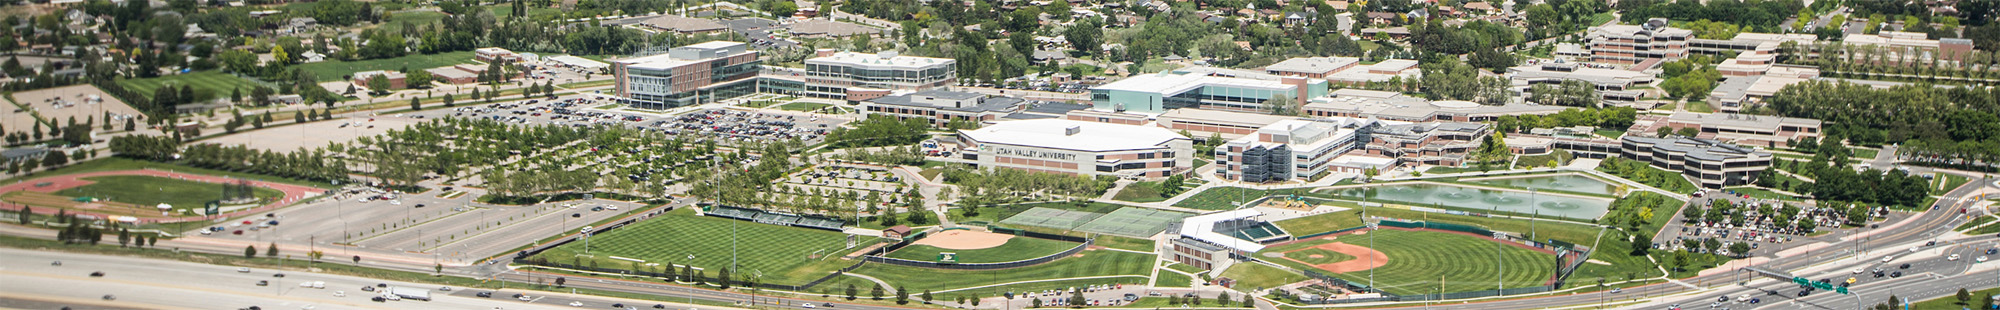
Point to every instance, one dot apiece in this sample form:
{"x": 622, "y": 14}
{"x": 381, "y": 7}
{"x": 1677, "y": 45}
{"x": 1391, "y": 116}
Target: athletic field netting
{"x": 1133, "y": 222}
{"x": 1051, "y": 218}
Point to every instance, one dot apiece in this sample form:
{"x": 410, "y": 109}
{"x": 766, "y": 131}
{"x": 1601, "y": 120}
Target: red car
{"x": 239, "y": 232}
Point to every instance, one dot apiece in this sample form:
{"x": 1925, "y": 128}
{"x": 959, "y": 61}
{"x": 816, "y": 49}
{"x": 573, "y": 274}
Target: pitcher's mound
{"x": 964, "y": 240}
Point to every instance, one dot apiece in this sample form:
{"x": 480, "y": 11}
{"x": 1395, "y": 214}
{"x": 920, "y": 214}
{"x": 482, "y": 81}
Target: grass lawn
{"x": 1600, "y": 18}
{"x": 780, "y": 252}
{"x": 418, "y": 19}
{"x": 588, "y": 84}
{"x": 1975, "y": 222}
{"x": 327, "y": 71}
{"x": 1319, "y": 223}
{"x": 1141, "y": 192}
{"x": 1950, "y": 301}
{"x": 1699, "y": 107}
{"x": 150, "y": 190}
{"x": 1086, "y": 264}
{"x": 1612, "y": 133}
{"x": 1124, "y": 243}
{"x": 1018, "y": 248}
{"x": 115, "y": 163}
{"x": 803, "y": 106}
{"x": 1221, "y": 198}
{"x": 1989, "y": 229}
{"x": 1417, "y": 259}
{"x": 1865, "y": 154}
{"x": 1761, "y": 193}
{"x": 1950, "y": 181}
{"x": 1173, "y": 279}
{"x": 207, "y": 84}
{"x": 1250, "y": 276}
{"x": 1185, "y": 268}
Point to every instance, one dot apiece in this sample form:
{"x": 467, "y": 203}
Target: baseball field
{"x": 1016, "y": 248}
{"x": 1097, "y": 263}
{"x": 1409, "y": 262}
{"x": 785, "y": 255}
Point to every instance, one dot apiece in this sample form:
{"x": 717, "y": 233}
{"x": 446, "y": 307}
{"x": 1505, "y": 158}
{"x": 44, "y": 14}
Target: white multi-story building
{"x": 1078, "y": 147}
{"x": 860, "y": 77}
{"x": 1292, "y": 149}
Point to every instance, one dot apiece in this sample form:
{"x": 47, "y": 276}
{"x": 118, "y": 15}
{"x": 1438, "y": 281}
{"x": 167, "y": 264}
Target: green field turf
{"x": 779, "y": 252}
{"x": 1325, "y": 256}
{"x": 331, "y": 70}
{"x": 150, "y": 190}
{"x": 207, "y": 84}
{"x": 1418, "y": 259}
{"x": 1018, "y": 248}
{"x": 1221, "y": 198}
{"x": 1319, "y": 223}
{"x": 1089, "y": 263}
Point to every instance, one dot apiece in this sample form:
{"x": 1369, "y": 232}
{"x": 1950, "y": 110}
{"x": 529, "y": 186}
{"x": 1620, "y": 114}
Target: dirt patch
{"x": 964, "y": 240}
{"x": 1364, "y": 258}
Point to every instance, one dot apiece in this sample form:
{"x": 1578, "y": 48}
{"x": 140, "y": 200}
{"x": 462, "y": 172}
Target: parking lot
{"x": 419, "y": 223}
{"x": 728, "y": 126}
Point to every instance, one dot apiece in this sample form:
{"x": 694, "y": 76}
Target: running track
{"x": 293, "y": 193}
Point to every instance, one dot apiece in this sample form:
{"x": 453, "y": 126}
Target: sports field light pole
{"x": 1499, "y": 280}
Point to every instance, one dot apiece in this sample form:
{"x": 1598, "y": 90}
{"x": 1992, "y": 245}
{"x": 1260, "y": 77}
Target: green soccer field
{"x": 780, "y": 252}
{"x": 1088, "y": 264}
{"x": 207, "y": 85}
{"x": 1419, "y": 259}
{"x": 149, "y": 190}
{"x": 1018, "y": 248}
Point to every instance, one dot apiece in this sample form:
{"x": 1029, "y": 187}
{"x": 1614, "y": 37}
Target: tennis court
{"x": 1133, "y": 222}
{"x": 1051, "y": 218}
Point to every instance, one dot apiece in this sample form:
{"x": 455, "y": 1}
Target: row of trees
{"x": 1953, "y": 123}
{"x": 1611, "y": 117}
{"x": 1762, "y": 15}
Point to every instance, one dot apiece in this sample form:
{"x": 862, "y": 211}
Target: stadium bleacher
{"x": 763, "y": 217}
{"x": 1253, "y": 230}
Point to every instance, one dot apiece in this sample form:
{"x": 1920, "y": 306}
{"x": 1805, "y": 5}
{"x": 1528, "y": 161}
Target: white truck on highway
{"x": 411, "y": 293}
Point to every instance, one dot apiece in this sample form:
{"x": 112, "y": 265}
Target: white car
{"x": 1886, "y": 259}
{"x": 339, "y": 293}
{"x": 1857, "y": 270}
{"x": 1953, "y": 257}
{"x": 576, "y": 304}
{"x": 396, "y": 202}
{"x": 1981, "y": 259}
{"x": 1914, "y": 249}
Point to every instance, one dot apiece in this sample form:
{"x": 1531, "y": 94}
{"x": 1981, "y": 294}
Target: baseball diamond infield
{"x": 1413, "y": 261}
{"x": 962, "y": 242}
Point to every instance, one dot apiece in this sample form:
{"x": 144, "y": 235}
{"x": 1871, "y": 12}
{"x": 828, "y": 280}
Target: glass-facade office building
{"x": 688, "y": 75}
{"x": 1157, "y": 93}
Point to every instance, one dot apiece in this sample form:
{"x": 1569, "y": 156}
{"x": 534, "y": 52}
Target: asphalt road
{"x": 142, "y": 283}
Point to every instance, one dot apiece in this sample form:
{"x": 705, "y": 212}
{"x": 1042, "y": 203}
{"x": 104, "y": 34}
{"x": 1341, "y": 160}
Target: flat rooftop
{"x": 1169, "y": 83}
{"x": 1090, "y": 136}
{"x": 1313, "y": 64}
{"x": 880, "y": 60}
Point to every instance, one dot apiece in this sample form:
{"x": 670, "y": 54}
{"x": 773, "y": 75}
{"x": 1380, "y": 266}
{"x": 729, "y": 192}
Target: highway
{"x": 144, "y": 283}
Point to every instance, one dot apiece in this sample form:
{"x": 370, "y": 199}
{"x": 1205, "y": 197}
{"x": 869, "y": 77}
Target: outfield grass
{"x": 1086, "y": 264}
{"x": 1250, "y": 276}
{"x": 150, "y": 190}
{"x": 1418, "y": 259}
{"x": 1173, "y": 279}
{"x": 780, "y": 252}
{"x": 1325, "y": 256}
{"x": 1319, "y": 223}
{"x": 328, "y": 71}
{"x": 993, "y": 214}
{"x": 1614, "y": 250}
{"x": 1018, "y": 248}
{"x": 208, "y": 85}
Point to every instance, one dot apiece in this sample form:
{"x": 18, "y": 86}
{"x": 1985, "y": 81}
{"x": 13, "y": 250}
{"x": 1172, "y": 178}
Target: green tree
{"x": 902, "y": 296}
{"x": 415, "y": 105}
{"x": 1964, "y": 297}
{"x": 850, "y": 292}
{"x": 271, "y": 250}
{"x": 249, "y": 251}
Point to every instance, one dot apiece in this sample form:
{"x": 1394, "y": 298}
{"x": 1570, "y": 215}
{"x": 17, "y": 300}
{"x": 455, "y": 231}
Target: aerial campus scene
{"x": 1000, "y": 154}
